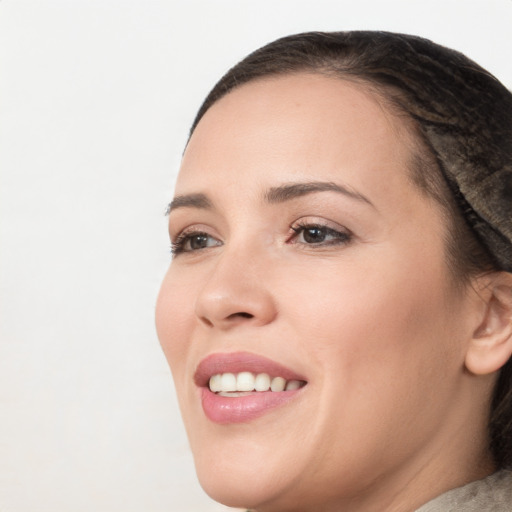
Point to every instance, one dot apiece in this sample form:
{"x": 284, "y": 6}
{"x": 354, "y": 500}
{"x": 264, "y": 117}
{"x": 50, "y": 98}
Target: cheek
{"x": 174, "y": 315}
{"x": 389, "y": 322}
{"x": 383, "y": 345}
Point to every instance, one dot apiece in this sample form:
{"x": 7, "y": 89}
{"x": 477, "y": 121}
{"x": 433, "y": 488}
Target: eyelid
{"x": 179, "y": 240}
{"x": 345, "y": 234}
{"x": 196, "y": 227}
{"x": 320, "y": 222}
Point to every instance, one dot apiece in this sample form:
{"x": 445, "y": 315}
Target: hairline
{"x": 421, "y": 155}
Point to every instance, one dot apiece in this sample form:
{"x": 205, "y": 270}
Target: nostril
{"x": 230, "y": 318}
{"x": 242, "y": 314}
{"x": 207, "y": 322}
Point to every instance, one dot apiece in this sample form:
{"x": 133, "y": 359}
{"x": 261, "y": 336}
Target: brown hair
{"x": 462, "y": 118}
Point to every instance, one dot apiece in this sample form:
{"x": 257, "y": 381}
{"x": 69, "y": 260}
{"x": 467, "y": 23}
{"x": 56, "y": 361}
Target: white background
{"x": 96, "y": 97}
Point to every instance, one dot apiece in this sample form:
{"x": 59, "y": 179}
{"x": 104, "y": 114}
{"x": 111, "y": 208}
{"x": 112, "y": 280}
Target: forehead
{"x": 301, "y": 125}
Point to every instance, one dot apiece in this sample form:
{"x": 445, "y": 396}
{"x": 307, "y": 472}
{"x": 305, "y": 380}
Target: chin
{"x": 242, "y": 487}
{"x": 246, "y": 473}
{"x": 235, "y": 493}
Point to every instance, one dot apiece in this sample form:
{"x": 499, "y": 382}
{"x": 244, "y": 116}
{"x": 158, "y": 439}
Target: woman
{"x": 338, "y": 312}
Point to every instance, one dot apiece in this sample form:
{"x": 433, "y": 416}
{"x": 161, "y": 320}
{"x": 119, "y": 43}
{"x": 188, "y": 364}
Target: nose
{"x": 235, "y": 293}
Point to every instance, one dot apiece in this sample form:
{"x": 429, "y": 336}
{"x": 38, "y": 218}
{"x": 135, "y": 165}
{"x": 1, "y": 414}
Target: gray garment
{"x": 492, "y": 494}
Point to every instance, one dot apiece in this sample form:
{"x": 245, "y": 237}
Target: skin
{"x": 390, "y": 417}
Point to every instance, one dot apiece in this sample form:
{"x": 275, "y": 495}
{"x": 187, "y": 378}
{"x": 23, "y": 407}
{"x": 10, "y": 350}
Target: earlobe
{"x": 491, "y": 345}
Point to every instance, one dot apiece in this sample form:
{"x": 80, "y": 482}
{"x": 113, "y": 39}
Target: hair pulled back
{"x": 462, "y": 119}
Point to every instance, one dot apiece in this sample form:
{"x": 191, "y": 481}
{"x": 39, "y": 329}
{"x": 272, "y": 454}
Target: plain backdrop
{"x": 96, "y": 97}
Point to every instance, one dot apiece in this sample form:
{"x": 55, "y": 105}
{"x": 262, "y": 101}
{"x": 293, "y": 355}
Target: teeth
{"x": 293, "y": 384}
{"x": 277, "y": 384}
{"x": 245, "y": 381}
{"x": 262, "y": 382}
{"x": 216, "y": 383}
{"x": 230, "y": 384}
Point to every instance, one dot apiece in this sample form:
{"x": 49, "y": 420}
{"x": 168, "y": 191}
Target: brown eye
{"x": 198, "y": 241}
{"x": 195, "y": 241}
{"x": 315, "y": 234}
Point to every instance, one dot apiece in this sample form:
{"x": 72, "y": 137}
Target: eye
{"x": 193, "y": 241}
{"x": 319, "y": 235}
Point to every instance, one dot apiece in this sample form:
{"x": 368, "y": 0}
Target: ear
{"x": 491, "y": 344}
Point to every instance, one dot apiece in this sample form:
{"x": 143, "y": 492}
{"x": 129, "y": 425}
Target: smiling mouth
{"x": 240, "y": 386}
{"x": 246, "y": 383}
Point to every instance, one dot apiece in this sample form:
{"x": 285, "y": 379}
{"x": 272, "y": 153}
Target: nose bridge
{"x": 236, "y": 291}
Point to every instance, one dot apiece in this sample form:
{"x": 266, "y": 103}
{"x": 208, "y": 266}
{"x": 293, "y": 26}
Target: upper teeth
{"x": 247, "y": 381}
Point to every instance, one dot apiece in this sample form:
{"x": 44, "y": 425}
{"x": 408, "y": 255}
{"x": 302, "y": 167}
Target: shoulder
{"x": 492, "y": 494}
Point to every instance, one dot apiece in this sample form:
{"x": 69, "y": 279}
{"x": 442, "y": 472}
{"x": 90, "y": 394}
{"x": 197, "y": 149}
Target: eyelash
{"x": 179, "y": 245}
{"x": 338, "y": 237}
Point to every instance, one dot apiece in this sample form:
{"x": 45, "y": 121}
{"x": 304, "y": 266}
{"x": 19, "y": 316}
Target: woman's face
{"x": 305, "y": 251}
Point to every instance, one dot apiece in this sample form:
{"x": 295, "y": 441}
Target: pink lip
{"x": 224, "y": 410}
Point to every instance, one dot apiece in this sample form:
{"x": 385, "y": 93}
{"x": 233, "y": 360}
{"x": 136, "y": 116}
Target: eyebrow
{"x": 189, "y": 201}
{"x": 273, "y": 195}
{"x": 293, "y": 190}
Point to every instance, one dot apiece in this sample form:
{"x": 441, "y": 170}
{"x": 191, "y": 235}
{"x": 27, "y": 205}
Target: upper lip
{"x": 236, "y": 362}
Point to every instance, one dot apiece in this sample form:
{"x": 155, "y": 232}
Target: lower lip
{"x": 241, "y": 409}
